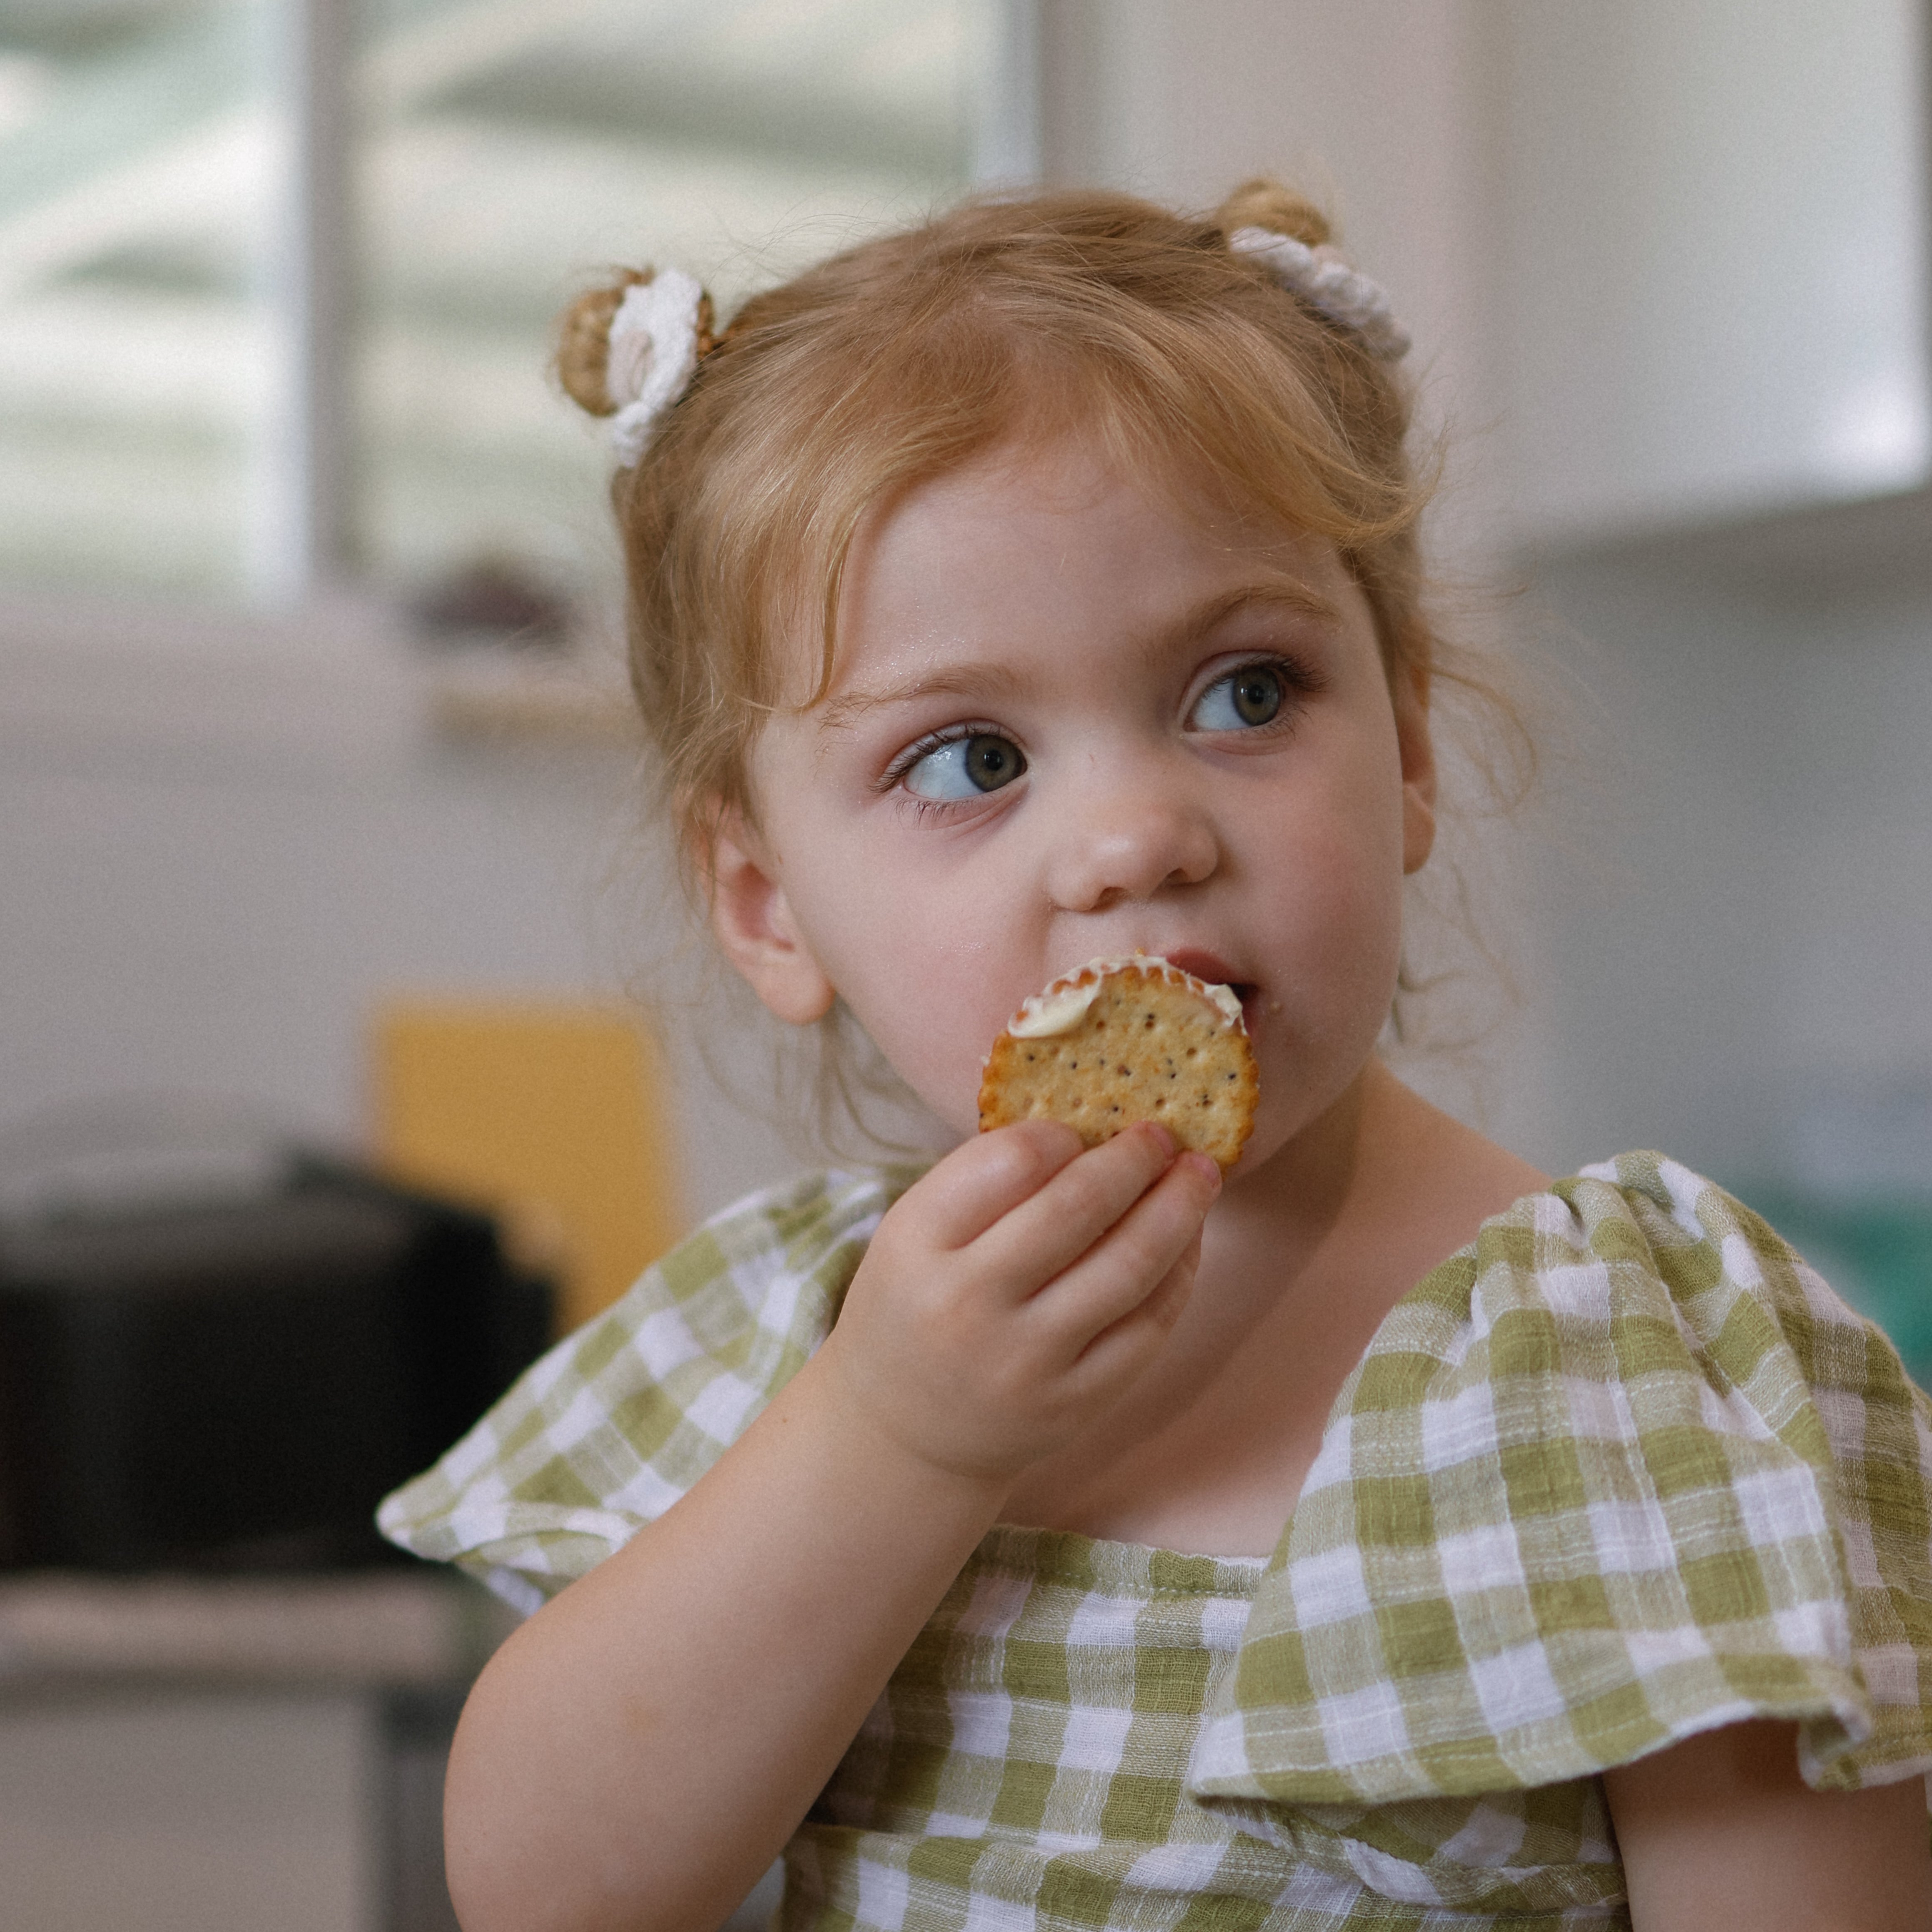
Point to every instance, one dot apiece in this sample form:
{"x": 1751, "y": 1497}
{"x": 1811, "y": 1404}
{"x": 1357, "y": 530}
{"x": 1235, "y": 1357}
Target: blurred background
{"x": 331, "y": 928}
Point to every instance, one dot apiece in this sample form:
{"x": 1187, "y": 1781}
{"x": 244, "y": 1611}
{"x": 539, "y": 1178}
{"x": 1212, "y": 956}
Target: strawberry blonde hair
{"x": 829, "y": 396}
{"x": 906, "y": 356}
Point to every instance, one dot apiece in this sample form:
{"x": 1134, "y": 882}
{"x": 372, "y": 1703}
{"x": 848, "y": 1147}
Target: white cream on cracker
{"x": 1061, "y": 1006}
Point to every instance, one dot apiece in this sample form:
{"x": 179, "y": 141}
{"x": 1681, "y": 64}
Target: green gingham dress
{"x": 1622, "y": 1470}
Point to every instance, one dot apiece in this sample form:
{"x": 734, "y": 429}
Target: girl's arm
{"x": 639, "y": 1751}
{"x": 1719, "y": 1834}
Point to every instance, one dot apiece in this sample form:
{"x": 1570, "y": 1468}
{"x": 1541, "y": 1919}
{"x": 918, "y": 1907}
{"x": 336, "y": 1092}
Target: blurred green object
{"x": 1877, "y": 1253}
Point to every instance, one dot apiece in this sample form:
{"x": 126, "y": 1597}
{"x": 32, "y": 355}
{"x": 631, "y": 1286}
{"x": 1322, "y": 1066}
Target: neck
{"x": 1291, "y": 1204}
{"x": 1361, "y": 1204}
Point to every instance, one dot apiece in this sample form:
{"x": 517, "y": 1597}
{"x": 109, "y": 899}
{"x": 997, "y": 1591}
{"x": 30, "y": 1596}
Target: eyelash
{"x": 889, "y": 780}
{"x": 1300, "y": 682}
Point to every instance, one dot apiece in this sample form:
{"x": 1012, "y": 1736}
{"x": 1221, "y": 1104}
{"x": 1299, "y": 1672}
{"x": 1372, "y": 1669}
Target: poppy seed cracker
{"x": 1122, "y": 1040}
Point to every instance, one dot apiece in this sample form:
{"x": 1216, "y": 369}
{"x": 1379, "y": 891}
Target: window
{"x": 135, "y": 335}
{"x": 239, "y": 348}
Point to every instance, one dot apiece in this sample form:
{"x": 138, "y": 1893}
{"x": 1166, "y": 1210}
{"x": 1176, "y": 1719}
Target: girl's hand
{"x": 1013, "y": 1292}
{"x": 639, "y": 1751}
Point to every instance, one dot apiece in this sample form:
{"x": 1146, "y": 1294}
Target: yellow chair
{"x": 549, "y": 1113}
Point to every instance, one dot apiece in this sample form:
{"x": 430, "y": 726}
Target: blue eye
{"x": 1252, "y": 695}
{"x": 965, "y": 768}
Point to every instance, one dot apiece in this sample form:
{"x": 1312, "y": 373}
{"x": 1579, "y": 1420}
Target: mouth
{"x": 1217, "y": 972}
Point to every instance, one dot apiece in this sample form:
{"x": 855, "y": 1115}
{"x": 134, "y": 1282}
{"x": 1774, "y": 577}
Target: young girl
{"x": 1387, "y": 1537}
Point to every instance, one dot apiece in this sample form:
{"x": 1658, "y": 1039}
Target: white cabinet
{"x": 180, "y": 1812}
{"x": 230, "y": 1754}
{"x": 1712, "y": 291}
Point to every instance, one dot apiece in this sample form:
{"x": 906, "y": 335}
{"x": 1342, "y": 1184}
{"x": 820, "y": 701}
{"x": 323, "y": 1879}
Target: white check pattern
{"x": 1623, "y": 1470}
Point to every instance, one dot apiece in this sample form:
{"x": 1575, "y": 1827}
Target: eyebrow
{"x": 1271, "y": 592}
{"x": 994, "y": 682}
{"x": 967, "y": 680}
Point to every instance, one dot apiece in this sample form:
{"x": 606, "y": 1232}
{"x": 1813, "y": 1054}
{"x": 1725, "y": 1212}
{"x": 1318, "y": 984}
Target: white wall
{"x": 220, "y": 845}
{"x": 1733, "y": 904}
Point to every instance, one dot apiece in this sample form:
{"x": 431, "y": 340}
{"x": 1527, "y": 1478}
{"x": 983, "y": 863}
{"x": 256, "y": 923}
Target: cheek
{"x": 1353, "y": 942}
{"x": 1342, "y": 881}
{"x": 923, "y": 975}
{"x": 1377, "y": 892}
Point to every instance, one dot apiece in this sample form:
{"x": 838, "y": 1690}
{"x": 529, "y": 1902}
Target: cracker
{"x": 1153, "y": 1043}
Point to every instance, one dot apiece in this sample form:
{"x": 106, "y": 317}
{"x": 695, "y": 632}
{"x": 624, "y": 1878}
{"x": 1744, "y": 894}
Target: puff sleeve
{"x": 1624, "y": 1471}
{"x": 617, "y": 1421}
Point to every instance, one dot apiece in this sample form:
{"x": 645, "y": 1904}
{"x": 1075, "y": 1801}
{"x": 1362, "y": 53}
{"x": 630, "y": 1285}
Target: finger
{"x": 1118, "y": 1356}
{"x": 1124, "y": 1346}
{"x": 1130, "y": 1266}
{"x": 986, "y": 1178}
{"x": 1047, "y": 1233}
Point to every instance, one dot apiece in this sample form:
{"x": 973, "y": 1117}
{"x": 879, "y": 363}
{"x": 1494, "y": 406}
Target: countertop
{"x": 378, "y": 1629}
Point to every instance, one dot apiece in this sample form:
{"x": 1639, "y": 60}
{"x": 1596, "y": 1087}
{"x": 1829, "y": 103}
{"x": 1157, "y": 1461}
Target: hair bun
{"x": 583, "y": 344}
{"x": 1263, "y": 203}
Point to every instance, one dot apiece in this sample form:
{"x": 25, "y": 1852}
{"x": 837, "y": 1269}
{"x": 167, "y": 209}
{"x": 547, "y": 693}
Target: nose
{"x": 1120, "y": 842}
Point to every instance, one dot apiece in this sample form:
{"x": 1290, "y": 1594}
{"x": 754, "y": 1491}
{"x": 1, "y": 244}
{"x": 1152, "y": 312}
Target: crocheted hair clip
{"x": 1327, "y": 284}
{"x": 660, "y": 331}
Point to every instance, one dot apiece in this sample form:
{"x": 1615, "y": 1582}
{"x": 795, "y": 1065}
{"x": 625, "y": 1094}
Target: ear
{"x": 1409, "y": 689}
{"x": 754, "y": 923}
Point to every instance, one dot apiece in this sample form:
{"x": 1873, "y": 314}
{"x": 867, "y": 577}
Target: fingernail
{"x": 1169, "y": 1145}
{"x": 1206, "y": 1166}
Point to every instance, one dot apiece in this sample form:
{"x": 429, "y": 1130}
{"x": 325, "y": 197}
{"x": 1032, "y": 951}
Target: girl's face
{"x": 1069, "y": 718}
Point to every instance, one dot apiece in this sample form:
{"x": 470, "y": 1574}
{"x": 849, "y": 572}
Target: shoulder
{"x": 1637, "y": 1298}
{"x": 610, "y": 1427}
{"x": 1688, "y": 1277}
{"x": 1623, "y": 1469}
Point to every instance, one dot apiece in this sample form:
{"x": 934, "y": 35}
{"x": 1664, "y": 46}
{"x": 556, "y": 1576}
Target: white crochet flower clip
{"x": 1326, "y": 282}
{"x": 653, "y": 354}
